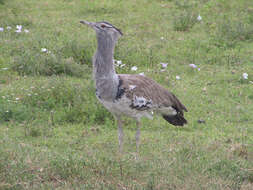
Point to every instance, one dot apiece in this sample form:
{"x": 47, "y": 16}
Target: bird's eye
{"x": 103, "y": 26}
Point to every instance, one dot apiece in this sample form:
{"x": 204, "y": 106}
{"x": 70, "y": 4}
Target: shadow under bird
{"x": 131, "y": 95}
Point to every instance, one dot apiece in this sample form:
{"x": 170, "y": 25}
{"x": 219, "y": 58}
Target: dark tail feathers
{"x": 177, "y": 120}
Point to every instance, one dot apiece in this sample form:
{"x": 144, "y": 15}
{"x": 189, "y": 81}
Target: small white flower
{"x": 26, "y": 31}
{"x": 8, "y": 27}
{"x": 164, "y": 65}
{"x": 7, "y": 111}
{"x": 17, "y": 98}
{"x": 43, "y": 50}
{"x": 193, "y": 66}
{"x": 5, "y": 68}
{"x": 28, "y": 94}
{"x": 134, "y": 68}
{"x": 245, "y": 76}
{"x": 19, "y": 27}
{"x": 199, "y": 18}
{"x": 162, "y": 38}
{"x": 3, "y": 97}
{"x": 36, "y": 94}
{"x": 1, "y": 29}
{"x": 178, "y": 77}
{"x": 118, "y": 63}
{"x": 122, "y": 65}
{"x": 18, "y": 31}
{"x": 142, "y": 74}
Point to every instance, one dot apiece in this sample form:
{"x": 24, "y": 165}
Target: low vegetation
{"x": 54, "y": 134}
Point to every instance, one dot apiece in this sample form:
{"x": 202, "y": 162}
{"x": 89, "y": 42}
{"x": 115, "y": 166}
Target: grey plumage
{"x": 134, "y": 96}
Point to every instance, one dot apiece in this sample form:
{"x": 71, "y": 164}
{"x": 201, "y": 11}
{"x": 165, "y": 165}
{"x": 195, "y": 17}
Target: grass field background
{"x": 54, "y": 134}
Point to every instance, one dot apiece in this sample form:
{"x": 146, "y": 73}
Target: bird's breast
{"x": 125, "y": 106}
{"x": 106, "y": 88}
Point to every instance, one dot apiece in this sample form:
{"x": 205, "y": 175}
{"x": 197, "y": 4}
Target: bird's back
{"x": 145, "y": 95}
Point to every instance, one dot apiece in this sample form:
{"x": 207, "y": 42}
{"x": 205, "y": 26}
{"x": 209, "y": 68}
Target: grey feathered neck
{"x": 105, "y": 48}
{"x": 103, "y": 68}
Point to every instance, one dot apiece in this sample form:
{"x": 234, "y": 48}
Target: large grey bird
{"x": 129, "y": 95}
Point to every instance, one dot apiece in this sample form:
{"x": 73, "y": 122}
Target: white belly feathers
{"x": 122, "y": 106}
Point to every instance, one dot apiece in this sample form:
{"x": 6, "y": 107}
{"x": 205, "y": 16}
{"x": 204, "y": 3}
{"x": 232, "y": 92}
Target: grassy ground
{"x": 55, "y": 135}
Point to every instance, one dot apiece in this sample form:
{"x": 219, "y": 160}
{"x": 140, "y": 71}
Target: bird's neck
{"x": 103, "y": 63}
{"x": 103, "y": 69}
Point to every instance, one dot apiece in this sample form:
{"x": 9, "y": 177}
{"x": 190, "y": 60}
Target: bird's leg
{"x": 137, "y": 136}
{"x": 120, "y": 134}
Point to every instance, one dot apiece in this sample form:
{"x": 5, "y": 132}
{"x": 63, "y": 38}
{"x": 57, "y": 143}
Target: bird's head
{"x": 104, "y": 29}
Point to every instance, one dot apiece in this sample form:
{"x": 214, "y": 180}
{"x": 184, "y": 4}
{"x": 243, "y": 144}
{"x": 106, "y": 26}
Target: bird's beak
{"x": 90, "y": 24}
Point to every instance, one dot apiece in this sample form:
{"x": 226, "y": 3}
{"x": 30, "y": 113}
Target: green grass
{"x": 54, "y": 134}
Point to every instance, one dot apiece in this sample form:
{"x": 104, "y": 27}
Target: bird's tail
{"x": 177, "y": 120}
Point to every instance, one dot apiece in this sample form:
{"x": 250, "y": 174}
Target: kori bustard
{"x": 135, "y": 96}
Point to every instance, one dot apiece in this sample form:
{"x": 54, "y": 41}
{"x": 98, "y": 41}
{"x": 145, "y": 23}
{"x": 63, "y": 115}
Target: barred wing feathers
{"x": 157, "y": 97}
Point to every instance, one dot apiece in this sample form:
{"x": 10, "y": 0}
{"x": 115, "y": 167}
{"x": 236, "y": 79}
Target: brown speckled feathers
{"x": 149, "y": 89}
